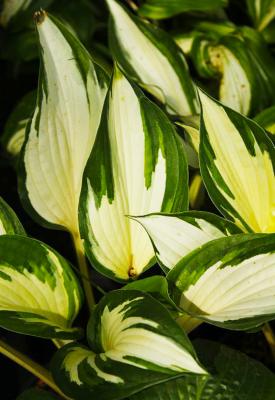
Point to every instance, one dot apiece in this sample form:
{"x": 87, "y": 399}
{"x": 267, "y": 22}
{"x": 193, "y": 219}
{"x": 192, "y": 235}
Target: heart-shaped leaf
{"x": 134, "y": 343}
{"x": 229, "y": 282}
{"x": 39, "y": 294}
{"x": 137, "y": 166}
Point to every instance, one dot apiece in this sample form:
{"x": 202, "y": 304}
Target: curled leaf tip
{"x": 39, "y": 16}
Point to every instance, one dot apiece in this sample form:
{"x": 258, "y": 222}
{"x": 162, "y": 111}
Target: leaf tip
{"x": 39, "y": 17}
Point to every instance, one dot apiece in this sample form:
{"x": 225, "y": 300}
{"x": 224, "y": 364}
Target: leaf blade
{"x": 40, "y": 295}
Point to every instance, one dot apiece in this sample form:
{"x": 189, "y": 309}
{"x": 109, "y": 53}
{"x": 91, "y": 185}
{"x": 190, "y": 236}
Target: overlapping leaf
{"x": 228, "y": 282}
{"x": 175, "y": 235}
{"x": 150, "y": 57}
{"x": 134, "y": 343}
{"x": 62, "y": 131}
{"x": 240, "y": 60}
{"x": 39, "y": 294}
{"x": 159, "y": 9}
{"x": 9, "y": 223}
{"x": 237, "y": 162}
{"x": 137, "y": 166}
{"x": 234, "y": 376}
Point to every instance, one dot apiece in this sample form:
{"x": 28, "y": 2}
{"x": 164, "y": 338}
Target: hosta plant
{"x": 153, "y": 149}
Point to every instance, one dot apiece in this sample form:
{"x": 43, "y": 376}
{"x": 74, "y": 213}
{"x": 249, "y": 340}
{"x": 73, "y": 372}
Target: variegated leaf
{"x": 9, "y": 223}
{"x": 137, "y": 166}
{"x": 262, "y": 12}
{"x": 237, "y": 162}
{"x": 39, "y": 294}
{"x": 229, "y": 282}
{"x": 151, "y": 58}
{"x": 159, "y": 9}
{"x": 62, "y": 132}
{"x": 240, "y": 60}
{"x": 134, "y": 343}
{"x": 13, "y": 136}
{"x": 234, "y": 376}
{"x": 175, "y": 235}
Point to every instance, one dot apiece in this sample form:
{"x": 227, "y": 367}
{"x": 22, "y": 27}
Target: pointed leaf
{"x": 175, "y": 235}
{"x": 150, "y": 56}
{"x": 134, "y": 343}
{"x": 229, "y": 282}
{"x": 137, "y": 166}
{"x": 9, "y": 223}
{"x": 237, "y": 162}
{"x": 235, "y": 376}
{"x": 39, "y": 294}
{"x": 159, "y": 9}
{"x": 62, "y": 131}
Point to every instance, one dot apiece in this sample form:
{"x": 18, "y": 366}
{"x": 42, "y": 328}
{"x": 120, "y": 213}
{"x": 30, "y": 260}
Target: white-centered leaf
{"x": 39, "y": 294}
{"x": 149, "y": 56}
{"x": 237, "y": 162}
{"x": 134, "y": 343}
{"x": 234, "y": 376}
{"x": 63, "y": 129}
{"x": 229, "y": 282}
{"x": 9, "y": 222}
{"x": 137, "y": 166}
{"x": 175, "y": 235}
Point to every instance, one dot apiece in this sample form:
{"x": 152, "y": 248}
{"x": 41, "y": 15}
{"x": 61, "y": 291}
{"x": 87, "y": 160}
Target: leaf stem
{"x": 188, "y": 323}
{"x": 33, "y": 367}
{"x": 60, "y": 342}
{"x": 270, "y": 338}
{"x": 84, "y": 270}
{"x": 196, "y": 192}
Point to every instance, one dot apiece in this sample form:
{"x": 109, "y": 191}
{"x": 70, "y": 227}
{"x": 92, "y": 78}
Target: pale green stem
{"x": 188, "y": 323}
{"x": 60, "y": 342}
{"x": 196, "y": 192}
{"x": 33, "y": 367}
{"x": 84, "y": 270}
{"x": 270, "y": 337}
